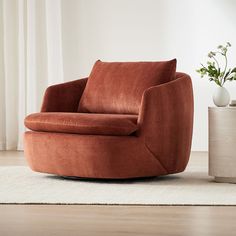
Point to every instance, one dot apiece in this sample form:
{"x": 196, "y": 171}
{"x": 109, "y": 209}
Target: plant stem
{"x": 226, "y": 64}
{"x": 217, "y": 63}
{"x": 203, "y": 66}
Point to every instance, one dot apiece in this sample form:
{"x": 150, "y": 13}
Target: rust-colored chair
{"x": 126, "y": 120}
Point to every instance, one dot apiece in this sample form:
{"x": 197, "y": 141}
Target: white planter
{"x": 221, "y": 97}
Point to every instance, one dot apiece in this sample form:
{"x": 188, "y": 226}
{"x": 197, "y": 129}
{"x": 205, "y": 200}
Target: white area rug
{"x": 193, "y": 187}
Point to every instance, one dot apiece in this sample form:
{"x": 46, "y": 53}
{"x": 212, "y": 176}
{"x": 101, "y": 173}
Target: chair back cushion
{"x": 117, "y": 87}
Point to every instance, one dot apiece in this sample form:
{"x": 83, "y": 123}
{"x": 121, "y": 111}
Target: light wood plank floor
{"x": 114, "y": 220}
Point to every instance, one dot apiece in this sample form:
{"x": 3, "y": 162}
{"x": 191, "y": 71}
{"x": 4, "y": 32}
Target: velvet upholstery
{"x": 168, "y": 108}
{"x": 82, "y": 123}
{"x": 63, "y": 97}
{"x": 117, "y": 87}
{"x": 91, "y": 156}
{"x": 161, "y": 145}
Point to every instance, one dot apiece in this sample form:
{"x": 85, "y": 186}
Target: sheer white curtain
{"x": 30, "y": 60}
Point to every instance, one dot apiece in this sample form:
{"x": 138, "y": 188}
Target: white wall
{"x": 129, "y": 30}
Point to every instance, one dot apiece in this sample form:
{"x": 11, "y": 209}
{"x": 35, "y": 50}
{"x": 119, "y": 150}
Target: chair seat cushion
{"x": 82, "y": 123}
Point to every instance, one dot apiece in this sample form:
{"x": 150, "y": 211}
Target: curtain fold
{"x": 30, "y": 60}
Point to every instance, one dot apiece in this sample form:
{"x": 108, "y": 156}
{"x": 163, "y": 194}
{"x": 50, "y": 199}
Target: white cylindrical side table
{"x": 222, "y": 143}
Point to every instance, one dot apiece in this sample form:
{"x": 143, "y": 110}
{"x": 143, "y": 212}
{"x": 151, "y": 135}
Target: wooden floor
{"x": 114, "y": 220}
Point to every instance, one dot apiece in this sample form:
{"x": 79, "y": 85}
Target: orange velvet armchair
{"x": 126, "y": 120}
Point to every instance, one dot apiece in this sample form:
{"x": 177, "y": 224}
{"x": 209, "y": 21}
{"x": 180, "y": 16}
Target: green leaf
{"x": 226, "y": 75}
{"x": 234, "y": 70}
{"x": 217, "y": 82}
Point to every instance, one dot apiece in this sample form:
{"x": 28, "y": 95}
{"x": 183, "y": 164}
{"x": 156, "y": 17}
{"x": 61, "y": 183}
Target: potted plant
{"x": 219, "y": 73}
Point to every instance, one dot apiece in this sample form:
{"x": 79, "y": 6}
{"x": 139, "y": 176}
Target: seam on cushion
{"x": 161, "y": 164}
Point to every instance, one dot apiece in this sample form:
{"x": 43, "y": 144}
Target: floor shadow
{"x": 181, "y": 179}
{"x": 116, "y": 181}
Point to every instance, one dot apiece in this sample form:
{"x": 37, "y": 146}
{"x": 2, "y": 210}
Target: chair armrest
{"x": 166, "y": 122}
{"x": 63, "y": 97}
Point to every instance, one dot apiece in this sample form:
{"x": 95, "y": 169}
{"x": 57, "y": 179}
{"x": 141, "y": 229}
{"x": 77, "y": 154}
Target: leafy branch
{"x": 213, "y": 69}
